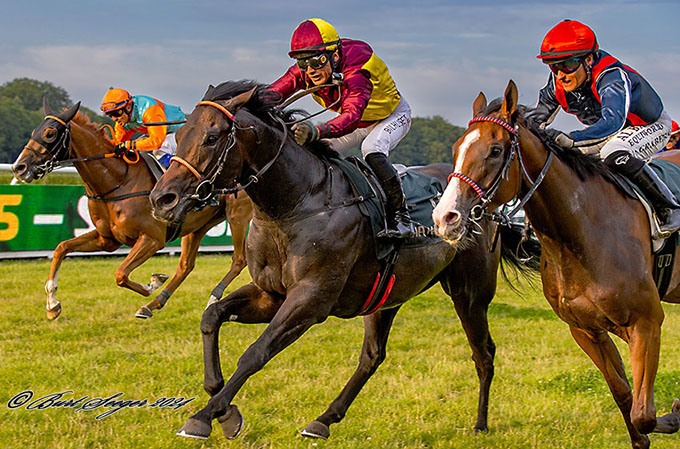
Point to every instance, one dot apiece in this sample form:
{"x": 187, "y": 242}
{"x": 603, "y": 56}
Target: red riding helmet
{"x": 567, "y": 39}
{"x": 313, "y": 36}
{"x": 674, "y": 128}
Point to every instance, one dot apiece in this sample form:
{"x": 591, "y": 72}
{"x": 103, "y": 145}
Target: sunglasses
{"x": 315, "y": 62}
{"x": 117, "y": 113}
{"x": 568, "y": 66}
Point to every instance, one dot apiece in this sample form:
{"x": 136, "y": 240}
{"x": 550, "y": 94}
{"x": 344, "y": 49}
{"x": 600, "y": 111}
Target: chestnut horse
{"x": 310, "y": 252}
{"x": 120, "y": 209}
{"x": 596, "y": 269}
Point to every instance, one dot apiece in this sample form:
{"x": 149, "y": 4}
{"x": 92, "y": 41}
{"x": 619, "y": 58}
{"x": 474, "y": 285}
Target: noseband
{"x": 480, "y": 211}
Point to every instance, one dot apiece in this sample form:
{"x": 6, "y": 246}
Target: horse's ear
{"x": 239, "y": 100}
{"x": 68, "y": 114}
{"x": 479, "y": 105}
{"x": 509, "y": 100}
{"x": 46, "y": 106}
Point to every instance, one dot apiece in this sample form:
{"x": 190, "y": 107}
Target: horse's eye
{"x": 496, "y": 151}
{"x": 49, "y": 135}
{"x": 211, "y": 139}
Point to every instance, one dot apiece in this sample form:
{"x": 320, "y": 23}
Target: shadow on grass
{"x": 497, "y": 309}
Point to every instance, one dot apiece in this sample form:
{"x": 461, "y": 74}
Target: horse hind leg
{"x": 376, "y": 331}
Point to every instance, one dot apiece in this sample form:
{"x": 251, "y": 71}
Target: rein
{"x": 480, "y": 211}
{"x": 206, "y": 186}
{"x": 62, "y": 149}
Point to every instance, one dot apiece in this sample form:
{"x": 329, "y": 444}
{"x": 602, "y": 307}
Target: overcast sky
{"x": 440, "y": 53}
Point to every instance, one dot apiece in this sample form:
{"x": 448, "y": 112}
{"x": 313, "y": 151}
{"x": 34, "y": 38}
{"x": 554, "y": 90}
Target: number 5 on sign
{"x": 9, "y": 223}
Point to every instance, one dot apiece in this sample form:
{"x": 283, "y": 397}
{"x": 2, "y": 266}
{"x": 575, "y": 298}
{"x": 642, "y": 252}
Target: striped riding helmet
{"x": 567, "y": 39}
{"x": 313, "y": 36}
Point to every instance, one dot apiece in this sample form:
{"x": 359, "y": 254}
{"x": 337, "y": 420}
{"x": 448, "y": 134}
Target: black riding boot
{"x": 664, "y": 202}
{"x": 398, "y": 219}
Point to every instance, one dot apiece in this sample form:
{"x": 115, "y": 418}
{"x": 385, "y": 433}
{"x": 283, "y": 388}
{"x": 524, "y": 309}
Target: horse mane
{"x": 84, "y": 121}
{"x": 584, "y": 165}
{"x": 264, "y": 105}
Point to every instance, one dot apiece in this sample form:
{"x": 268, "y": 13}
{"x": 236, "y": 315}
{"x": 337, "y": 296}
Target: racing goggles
{"x": 567, "y": 67}
{"x": 315, "y": 62}
{"x": 117, "y": 113}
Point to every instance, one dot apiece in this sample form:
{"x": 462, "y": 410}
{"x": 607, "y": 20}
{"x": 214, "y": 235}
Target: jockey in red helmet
{"x": 674, "y": 142}
{"x": 372, "y": 112}
{"x": 625, "y": 117}
{"x": 131, "y": 113}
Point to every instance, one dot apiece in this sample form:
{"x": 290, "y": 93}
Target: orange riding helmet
{"x": 115, "y": 99}
{"x": 313, "y": 36}
{"x": 567, "y": 39}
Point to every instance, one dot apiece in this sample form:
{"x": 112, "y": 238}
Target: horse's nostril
{"x": 452, "y": 217}
{"x": 167, "y": 200}
{"x": 19, "y": 169}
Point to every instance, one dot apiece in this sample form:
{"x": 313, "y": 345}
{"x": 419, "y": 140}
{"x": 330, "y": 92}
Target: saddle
{"x": 422, "y": 194}
{"x": 663, "y": 249}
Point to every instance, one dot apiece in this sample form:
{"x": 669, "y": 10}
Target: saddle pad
{"x": 422, "y": 194}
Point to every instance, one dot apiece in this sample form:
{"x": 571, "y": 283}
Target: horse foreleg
{"x": 376, "y": 331}
{"x": 187, "y": 261}
{"x": 238, "y": 217}
{"x": 145, "y": 247}
{"x": 300, "y": 311}
{"x": 88, "y": 242}
{"x": 602, "y": 351}
{"x": 249, "y": 304}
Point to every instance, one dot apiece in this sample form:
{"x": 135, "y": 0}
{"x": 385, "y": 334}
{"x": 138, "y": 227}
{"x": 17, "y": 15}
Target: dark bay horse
{"x": 120, "y": 210}
{"x": 310, "y": 252}
{"x": 596, "y": 262}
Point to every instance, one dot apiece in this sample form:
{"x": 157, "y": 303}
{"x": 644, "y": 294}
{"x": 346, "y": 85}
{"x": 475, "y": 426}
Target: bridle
{"x": 61, "y": 149}
{"x": 480, "y": 210}
{"x": 206, "y": 183}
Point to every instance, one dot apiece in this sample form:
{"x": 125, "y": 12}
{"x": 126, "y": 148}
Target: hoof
{"x": 316, "y": 429}
{"x": 195, "y": 429}
{"x": 144, "y": 312}
{"x": 159, "y": 278}
{"x": 231, "y": 422}
{"x": 54, "y": 312}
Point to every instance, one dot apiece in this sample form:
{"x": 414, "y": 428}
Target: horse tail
{"x": 521, "y": 252}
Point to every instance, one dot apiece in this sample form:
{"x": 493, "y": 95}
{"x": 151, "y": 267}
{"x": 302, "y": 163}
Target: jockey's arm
{"x": 121, "y": 134}
{"x": 356, "y": 93}
{"x": 155, "y": 134}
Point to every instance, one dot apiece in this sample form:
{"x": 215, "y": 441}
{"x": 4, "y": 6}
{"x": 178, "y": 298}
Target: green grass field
{"x": 546, "y": 393}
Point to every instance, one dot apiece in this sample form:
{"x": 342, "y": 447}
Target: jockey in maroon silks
{"x": 624, "y": 116}
{"x": 371, "y": 110}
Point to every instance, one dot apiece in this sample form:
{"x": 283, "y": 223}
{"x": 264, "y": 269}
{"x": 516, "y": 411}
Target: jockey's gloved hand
{"x": 120, "y": 149}
{"x": 305, "y": 132}
{"x": 560, "y": 138}
{"x": 538, "y": 115}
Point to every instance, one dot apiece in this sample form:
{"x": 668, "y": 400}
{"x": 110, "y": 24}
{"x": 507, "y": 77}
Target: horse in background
{"x": 311, "y": 252}
{"x": 596, "y": 259}
{"x": 117, "y": 189}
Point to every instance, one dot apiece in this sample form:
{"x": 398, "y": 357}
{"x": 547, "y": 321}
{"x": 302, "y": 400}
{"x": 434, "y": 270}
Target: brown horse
{"x": 310, "y": 252}
{"x": 596, "y": 269}
{"x": 120, "y": 209}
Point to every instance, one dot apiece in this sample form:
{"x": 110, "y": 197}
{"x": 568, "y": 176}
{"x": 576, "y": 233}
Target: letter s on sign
{"x": 8, "y": 218}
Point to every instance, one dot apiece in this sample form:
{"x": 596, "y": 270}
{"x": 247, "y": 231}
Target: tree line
{"x": 428, "y": 141}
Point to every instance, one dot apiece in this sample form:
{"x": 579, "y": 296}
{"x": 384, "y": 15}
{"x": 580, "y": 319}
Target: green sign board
{"x": 39, "y": 217}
